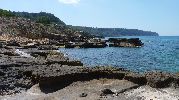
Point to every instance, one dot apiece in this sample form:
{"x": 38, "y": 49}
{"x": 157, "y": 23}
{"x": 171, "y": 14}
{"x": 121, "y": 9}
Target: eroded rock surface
{"x": 56, "y": 74}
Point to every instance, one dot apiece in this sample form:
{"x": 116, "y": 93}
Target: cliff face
{"x": 115, "y": 32}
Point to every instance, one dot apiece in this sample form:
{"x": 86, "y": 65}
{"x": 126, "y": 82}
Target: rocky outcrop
{"x": 154, "y": 79}
{"x": 136, "y": 78}
{"x": 17, "y": 72}
{"x": 159, "y": 79}
{"x": 68, "y": 74}
{"x": 86, "y": 43}
{"x": 47, "y": 47}
{"x": 106, "y": 92}
{"x": 124, "y": 42}
{"x": 53, "y": 71}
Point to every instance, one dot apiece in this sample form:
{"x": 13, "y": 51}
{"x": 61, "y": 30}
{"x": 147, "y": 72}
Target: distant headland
{"x": 49, "y": 19}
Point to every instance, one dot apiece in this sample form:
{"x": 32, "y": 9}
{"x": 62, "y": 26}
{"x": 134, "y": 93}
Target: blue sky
{"x": 161, "y": 16}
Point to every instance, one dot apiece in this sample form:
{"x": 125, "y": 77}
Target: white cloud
{"x": 69, "y": 1}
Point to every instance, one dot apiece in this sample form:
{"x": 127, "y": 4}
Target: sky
{"x": 161, "y": 16}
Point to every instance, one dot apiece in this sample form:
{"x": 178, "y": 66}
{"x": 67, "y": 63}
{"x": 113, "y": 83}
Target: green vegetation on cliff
{"x": 42, "y": 17}
{"x": 5, "y": 13}
{"x": 114, "y": 32}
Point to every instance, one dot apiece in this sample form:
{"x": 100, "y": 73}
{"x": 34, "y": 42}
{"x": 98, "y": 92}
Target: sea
{"x": 159, "y": 53}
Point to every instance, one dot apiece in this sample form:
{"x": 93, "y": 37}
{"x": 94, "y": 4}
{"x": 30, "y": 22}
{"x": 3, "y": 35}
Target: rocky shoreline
{"x": 21, "y": 67}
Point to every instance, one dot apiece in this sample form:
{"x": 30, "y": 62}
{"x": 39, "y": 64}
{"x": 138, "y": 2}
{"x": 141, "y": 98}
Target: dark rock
{"x": 124, "y": 42}
{"x": 25, "y": 61}
{"x": 8, "y": 47}
{"x": 39, "y": 53}
{"x": 69, "y": 63}
{"x": 136, "y": 78}
{"x": 12, "y": 43}
{"x": 47, "y": 47}
{"x": 176, "y": 80}
{"x": 6, "y": 65}
{"x": 159, "y": 79}
{"x": 83, "y": 95}
{"x": 2, "y": 73}
{"x": 53, "y": 42}
{"x": 69, "y": 45}
{"x": 7, "y": 52}
{"x": 99, "y": 44}
{"x": 29, "y": 46}
{"x": 2, "y": 45}
{"x": 10, "y": 54}
{"x": 106, "y": 92}
{"x": 93, "y": 45}
{"x": 27, "y": 73}
{"x": 55, "y": 81}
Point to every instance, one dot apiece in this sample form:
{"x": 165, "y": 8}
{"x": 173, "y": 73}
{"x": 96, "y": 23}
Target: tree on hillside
{"x": 6, "y": 13}
{"x": 43, "y": 20}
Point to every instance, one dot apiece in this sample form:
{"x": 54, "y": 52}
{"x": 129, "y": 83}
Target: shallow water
{"x": 158, "y": 53}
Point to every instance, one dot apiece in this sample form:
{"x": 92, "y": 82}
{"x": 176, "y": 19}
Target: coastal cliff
{"x": 48, "y": 18}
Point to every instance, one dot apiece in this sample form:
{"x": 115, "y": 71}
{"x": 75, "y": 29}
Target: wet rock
{"x": 159, "y": 79}
{"x": 136, "y": 78}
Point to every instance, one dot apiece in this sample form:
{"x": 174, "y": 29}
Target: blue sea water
{"x": 158, "y": 53}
